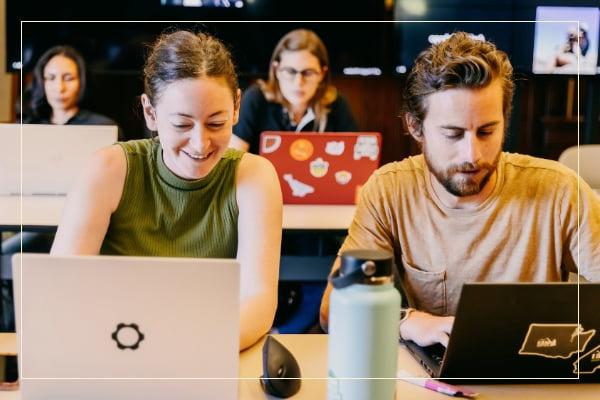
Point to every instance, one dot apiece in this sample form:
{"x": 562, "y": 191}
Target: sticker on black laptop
{"x": 366, "y": 146}
{"x": 555, "y": 340}
{"x": 335, "y": 148}
{"x": 270, "y": 143}
{"x": 299, "y": 189}
{"x": 588, "y": 363}
{"x": 127, "y": 336}
{"x": 319, "y": 167}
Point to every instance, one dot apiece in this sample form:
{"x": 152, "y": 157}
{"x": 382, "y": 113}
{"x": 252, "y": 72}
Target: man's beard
{"x": 461, "y": 186}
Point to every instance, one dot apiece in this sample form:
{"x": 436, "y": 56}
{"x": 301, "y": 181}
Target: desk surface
{"x": 311, "y": 353}
{"x": 44, "y": 213}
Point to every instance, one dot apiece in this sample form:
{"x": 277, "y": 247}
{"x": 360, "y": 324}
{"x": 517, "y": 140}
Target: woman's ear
{"x": 236, "y": 106}
{"x": 324, "y": 70}
{"x": 414, "y": 126}
{"x": 149, "y": 113}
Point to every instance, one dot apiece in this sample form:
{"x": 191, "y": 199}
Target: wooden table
{"x": 43, "y": 213}
{"x": 311, "y": 353}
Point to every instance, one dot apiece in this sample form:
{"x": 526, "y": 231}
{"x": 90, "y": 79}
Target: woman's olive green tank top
{"x": 161, "y": 214}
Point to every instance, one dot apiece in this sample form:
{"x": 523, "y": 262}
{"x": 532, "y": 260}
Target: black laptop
{"x": 520, "y": 332}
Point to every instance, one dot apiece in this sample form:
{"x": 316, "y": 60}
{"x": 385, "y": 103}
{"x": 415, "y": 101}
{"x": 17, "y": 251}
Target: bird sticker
{"x": 299, "y": 189}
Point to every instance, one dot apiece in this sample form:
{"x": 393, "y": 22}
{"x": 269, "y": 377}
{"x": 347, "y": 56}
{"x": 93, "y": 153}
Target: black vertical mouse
{"x": 279, "y": 363}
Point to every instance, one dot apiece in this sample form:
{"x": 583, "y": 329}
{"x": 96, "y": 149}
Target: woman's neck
{"x": 61, "y": 117}
{"x": 296, "y": 113}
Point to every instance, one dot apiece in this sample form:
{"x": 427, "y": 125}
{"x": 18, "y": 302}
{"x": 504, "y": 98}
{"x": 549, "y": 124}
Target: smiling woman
{"x": 183, "y": 193}
{"x": 193, "y": 119}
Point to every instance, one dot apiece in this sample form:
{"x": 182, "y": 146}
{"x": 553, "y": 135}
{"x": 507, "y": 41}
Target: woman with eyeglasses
{"x": 298, "y": 96}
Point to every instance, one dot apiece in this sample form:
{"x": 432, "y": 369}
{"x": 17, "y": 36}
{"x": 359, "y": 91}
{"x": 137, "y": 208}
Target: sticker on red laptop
{"x": 555, "y": 340}
{"x": 366, "y": 146}
{"x": 319, "y": 167}
{"x": 588, "y": 363}
{"x": 270, "y": 143}
{"x": 301, "y": 149}
{"x": 335, "y": 148}
{"x": 299, "y": 189}
{"x": 343, "y": 177}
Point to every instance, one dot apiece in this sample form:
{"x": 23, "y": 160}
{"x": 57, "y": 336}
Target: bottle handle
{"x": 366, "y": 270}
{"x": 341, "y": 281}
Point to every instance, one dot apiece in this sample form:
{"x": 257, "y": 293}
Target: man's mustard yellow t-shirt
{"x": 525, "y": 231}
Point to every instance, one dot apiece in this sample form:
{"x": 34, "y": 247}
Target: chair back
{"x": 589, "y": 162}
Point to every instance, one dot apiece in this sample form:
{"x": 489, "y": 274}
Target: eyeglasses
{"x": 289, "y": 74}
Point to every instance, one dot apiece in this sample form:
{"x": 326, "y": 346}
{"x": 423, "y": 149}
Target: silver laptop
{"x": 52, "y": 155}
{"x": 113, "y": 327}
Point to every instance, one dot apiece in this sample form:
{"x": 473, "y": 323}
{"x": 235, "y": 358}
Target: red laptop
{"x": 321, "y": 168}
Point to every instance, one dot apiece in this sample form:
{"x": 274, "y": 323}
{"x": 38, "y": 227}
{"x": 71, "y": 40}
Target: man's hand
{"x": 425, "y": 329}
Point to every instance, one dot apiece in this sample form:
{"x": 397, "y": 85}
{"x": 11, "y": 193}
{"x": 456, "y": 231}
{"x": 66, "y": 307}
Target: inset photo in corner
{"x": 562, "y": 35}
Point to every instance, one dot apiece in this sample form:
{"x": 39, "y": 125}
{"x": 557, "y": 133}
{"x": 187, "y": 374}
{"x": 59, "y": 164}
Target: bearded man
{"x": 464, "y": 210}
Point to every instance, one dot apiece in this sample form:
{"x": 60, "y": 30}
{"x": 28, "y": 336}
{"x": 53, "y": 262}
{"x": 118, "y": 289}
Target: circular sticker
{"x": 301, "y": 149}
{"x": 343, "y": 177}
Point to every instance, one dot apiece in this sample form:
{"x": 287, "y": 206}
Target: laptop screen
{"x": 322, "y": 168}
{"x": 523, "y": 331}
{"x": 118, "y": 322}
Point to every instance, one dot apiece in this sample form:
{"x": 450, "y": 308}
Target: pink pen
{"x": 436, "y": 386}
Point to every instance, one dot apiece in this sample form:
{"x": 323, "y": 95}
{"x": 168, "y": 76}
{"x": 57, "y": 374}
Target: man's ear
{"x": 236, "y": 106}
{"x": 415, "y": 127}
{"x": 149, "y": 113}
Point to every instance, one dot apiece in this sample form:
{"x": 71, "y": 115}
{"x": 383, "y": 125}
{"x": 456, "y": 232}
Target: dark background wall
{"x": 547, "y": 115}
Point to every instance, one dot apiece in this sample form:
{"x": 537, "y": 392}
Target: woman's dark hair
{"x": 186, "y": 55}
{"x": 38, "y": 104}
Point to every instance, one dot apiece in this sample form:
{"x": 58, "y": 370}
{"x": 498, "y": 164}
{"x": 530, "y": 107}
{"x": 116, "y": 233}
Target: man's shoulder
{"x": 410, "y": 166}
{"x": 406, "y": 175}
{"x": 525, "y": 174}
{"x": 529, "y": 167}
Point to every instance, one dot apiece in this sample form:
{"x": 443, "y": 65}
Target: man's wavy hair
{"x": 461, "y": 61}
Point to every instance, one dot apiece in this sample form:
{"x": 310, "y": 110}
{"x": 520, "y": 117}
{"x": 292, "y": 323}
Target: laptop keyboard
{"x": 436, "y": 352}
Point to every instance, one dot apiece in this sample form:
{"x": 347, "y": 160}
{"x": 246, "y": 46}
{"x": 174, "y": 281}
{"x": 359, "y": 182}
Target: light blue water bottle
{"x": 364, "y": 309}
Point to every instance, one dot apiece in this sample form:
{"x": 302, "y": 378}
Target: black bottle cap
{"x": 362, "y": 266}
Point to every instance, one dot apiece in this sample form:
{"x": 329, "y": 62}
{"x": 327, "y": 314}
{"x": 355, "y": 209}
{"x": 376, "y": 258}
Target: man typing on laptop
{"x": 464, "y": 211}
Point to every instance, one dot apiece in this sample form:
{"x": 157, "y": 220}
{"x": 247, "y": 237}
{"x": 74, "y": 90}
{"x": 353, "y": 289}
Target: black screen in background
{"x": 413, "y": 36}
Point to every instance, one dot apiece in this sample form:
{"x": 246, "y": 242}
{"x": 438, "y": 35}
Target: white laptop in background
{"x": 53, "y": 155}
{"x": 115, "y": 327}
{"x": 10, "y": 179}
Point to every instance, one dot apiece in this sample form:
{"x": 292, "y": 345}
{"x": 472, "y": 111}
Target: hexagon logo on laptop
{"x": 127, "y": 336}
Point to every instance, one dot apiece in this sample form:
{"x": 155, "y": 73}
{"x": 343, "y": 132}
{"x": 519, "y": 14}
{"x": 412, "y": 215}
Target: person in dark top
{"x": 54, "y": 98}
{"x": 298, "y": 96}
{"x": 57, "y": 91}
